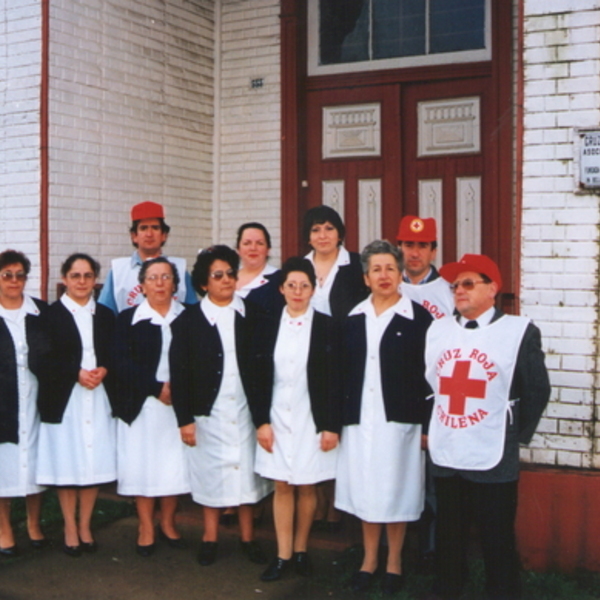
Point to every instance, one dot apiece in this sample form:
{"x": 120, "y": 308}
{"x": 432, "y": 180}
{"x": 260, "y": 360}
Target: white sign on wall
{"x": 589, "y": 160}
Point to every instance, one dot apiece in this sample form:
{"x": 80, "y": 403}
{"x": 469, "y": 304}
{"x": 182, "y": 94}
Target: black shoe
{"x": 254, "y": 552}
{"x": 177, "y": 543}
{"x": 89, "y": 547}
{"x": 302, "y": 564}
{"x": 361, "y": 581}
{"x": 391, "y": 584}
{"x": 39, "y": 544}
{"x": 207, "y": 553}
{"x": 275, "y": 570}
{"x": 10, "y": 552}
{"x": 145, "y": 551}
{"x": 72, "y": 551}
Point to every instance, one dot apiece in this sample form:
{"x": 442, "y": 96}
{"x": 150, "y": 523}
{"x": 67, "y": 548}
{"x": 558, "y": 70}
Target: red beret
{"x": 414, "y": 229}
{"x": 478, "y": 263}
{"x": 147, "y": 210}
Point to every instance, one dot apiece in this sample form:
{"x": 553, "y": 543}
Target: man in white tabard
{"x": 421, "y": 282}
{"x": 149, "y": 233}
{"x": 490, "y": 388}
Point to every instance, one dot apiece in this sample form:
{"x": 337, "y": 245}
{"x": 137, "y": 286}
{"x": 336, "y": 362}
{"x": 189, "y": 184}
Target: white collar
{"x": 212, "y": 310}
{"x": 403, "y": 308}
{"x": 74, "y": 307}
{"x": 260, "y": 279}
{"x": 304, "y": 319}
{"x": 144, "y": 312}
{"x": 343, "y": 257}
{"x": 483, "y": 319}
{"x": 29, "y": 307}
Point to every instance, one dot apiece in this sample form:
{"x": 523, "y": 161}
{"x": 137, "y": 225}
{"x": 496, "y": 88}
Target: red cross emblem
{"x": 417, "y": 225}
{"x": 459, "y": 387}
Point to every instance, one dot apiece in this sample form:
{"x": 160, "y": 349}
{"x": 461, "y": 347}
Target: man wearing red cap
{"x": 421, "y": 283}
{"x": 490, "y": 388}
{"x": 149, "y": 233}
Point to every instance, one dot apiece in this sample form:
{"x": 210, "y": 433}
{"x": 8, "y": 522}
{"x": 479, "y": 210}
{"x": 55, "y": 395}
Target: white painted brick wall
{"x": 250, "y": 120}
{"x": 560, "y": 229}
{"x": 131, "y": 119}
{"x": 20, "y": 68}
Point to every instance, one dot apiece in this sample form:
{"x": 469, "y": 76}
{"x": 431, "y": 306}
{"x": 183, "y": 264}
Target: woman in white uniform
{"x": 258, "y": 282}
{"x": 380, "y": 475}
{"x": 22, "y": 350}
{"x": 77, "y": 449}
{"x": 210, "y": 379}
{"x": 296, "y": 411}
{"x": 151, "y": 456}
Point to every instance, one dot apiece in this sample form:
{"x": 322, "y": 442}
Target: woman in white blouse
{"x": 22, "y": 350}
{"x": 77, "y": 449}
{"x": 151, "y": 456}
{"x": 295, "y": 409}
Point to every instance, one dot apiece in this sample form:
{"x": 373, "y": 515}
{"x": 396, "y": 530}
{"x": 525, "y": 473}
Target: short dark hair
{"x": 252, "y": 225}
{"x": 12, "y": 257}
{"x": 68, "y": 264}
{"x": 158, "y": 260}
{"x": 206, "y": 258}
{"x": 319, "y": 215}
{"x": 301, "y": 265}
{"x": 135, "y": 224}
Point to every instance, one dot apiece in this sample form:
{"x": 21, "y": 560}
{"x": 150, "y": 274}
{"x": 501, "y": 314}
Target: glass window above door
{"x": 355, "y": 35}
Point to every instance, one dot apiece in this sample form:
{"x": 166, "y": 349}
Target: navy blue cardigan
{"x": 267, "y": 297}
{"x": 348, "y": 288}
{"x": 65, "y": 358}
{"x": 322, "y": 372}
{"x": 196, "y": 361}
{"x": 136, "y": 357}
{"x": 402, "y": 365}
{"x": 37, "y": 343}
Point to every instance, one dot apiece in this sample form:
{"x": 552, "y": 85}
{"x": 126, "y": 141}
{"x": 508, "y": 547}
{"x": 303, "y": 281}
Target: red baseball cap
{"x": 478, "y": 263}
{"x": 147, "y": 210}
{"x": 414, "y": 229}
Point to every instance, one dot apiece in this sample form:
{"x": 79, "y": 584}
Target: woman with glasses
{"x": 77, "y": 450}
{"x": 151, "y": 459}
{"x": 381, "y": 467}
{"x": 294, "y": 405}
{"x": 23, "y": 346}
{"x": 210, "y": 380}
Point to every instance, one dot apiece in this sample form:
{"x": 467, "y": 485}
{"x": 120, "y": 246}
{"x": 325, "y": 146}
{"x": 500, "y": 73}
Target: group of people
{"x": 338, "y": 366}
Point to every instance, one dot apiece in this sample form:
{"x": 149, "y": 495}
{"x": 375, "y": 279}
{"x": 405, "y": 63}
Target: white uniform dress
{"x": 151, "y": 457}
{"x": 297, "y": 457}
{"x": 222, "y": 462}
{"x": 381, "y": 467}
{"x": 18, "y": 461}
{"x": 320, "y": 299}
{"x": 81, "y": 450}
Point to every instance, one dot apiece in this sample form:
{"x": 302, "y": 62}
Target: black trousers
{"x": 493, "y": 507}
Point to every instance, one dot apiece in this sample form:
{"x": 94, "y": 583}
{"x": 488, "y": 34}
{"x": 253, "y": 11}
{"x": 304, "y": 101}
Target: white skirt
{"x": 222, "y": 462}
{"x": 151, "y": 457}
{"x": 381, "y": 472}
{"x": 81, "y": 450}
{"x": 18, "y": 461}
{"x": 297, "y": 457}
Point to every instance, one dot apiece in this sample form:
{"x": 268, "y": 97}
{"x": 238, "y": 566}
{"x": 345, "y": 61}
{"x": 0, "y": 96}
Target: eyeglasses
{"x": 77, "y": 276}
{"x": 294, "y": 287}
{"x": 218, "y": 275}
{"x": 9, "y": 275}
{"x": 163, "y": 277}
{"x": 466, "y": 284}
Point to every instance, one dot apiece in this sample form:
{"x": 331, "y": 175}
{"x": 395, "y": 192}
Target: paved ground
{"x": 117, "y": 573}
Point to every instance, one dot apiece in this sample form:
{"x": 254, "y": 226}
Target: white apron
{"x": 222, "y": 462}
{"x": 151, "y": 457}
{"x": 18, "y": 461}
{"x": 381, "y": 467}
{"x": 435, "y": 296}
{"x": 297, "y": 457}
{"x": 470, "y": 371}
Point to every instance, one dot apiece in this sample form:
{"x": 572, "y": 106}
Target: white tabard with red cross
{"x": 470, "y": 371}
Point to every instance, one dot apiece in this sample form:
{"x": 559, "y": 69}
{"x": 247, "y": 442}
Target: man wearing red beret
{"x": 490, "y": 388}
{"x": 417, "y": 239}
{"x": 149, "y": 233}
